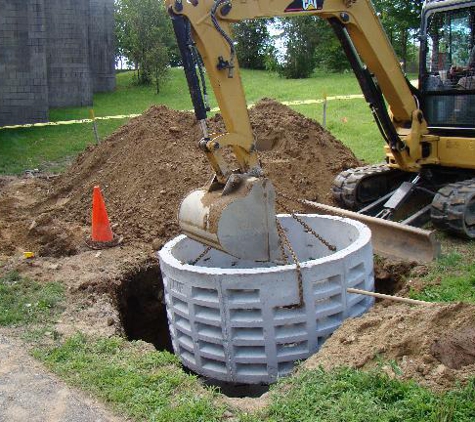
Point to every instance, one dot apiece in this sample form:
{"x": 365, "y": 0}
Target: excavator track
{"x": 355, "y": 188}
{"x": 453, "y": 208}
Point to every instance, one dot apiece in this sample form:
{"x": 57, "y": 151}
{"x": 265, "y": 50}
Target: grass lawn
{"x": 452, "y": 277}
{"x": 149, "y": 385}
{"x": 25, "y": 302}
{"x": 52, "y": 148}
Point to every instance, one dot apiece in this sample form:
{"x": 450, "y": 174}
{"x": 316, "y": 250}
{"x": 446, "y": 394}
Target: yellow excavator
{"x": 429, "y": 132}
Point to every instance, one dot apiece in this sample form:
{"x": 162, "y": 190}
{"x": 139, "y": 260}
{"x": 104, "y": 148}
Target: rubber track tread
{"x": 449, "y": 205}
{"x": 345, "y": 184}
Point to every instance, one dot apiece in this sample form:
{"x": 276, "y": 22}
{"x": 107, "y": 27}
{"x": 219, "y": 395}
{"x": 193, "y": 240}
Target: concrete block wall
{"x": 102, "y": 45}
{"x": 53, "y": 53}
{"x": 69, "y": 76}
{"x": 23, "y": 75}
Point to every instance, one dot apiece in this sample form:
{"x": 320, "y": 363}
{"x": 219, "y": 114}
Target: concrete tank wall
{"x": 69, "y": 76}
{"x": 23, "y": 77}
{"x": 248, "y": 322}
{"x": 102, "y": 45}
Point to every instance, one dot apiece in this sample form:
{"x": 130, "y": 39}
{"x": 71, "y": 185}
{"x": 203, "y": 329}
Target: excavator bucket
{"x": 239, "y": 219}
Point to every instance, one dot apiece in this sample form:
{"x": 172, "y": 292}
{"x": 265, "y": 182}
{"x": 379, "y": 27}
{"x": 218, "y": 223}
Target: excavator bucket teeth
{"x": 239, "y": 219}
{"x": 390, "y": 239}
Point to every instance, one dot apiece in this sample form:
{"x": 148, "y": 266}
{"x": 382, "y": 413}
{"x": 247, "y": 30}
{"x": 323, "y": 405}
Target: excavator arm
{"x": 206, "y": 23}
{"x": 204, "y": 35}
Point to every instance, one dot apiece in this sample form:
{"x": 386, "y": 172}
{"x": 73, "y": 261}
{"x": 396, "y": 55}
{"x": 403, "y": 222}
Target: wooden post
{"x": 325, "y": 102}
{"x": 94, "y": 125}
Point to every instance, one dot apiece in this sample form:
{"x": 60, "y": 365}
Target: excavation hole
{"x": 142, "y": 307}
{"x": 391, "y": 276}
{"x": 230, "y": 389}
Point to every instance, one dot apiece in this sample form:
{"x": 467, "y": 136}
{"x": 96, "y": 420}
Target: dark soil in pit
{"x": 237, "y": 390}
{"x": 390, "y": 276}
{"x": 142, "y": 308}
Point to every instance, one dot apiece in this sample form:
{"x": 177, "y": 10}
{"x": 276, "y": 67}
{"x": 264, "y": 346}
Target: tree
{"x": 300, "y": 41}
{"x": 145, "y": 38}
{"x": 329, "y": 53}
{"x": 253, "y": 43}
{"x": 401, "y": 21}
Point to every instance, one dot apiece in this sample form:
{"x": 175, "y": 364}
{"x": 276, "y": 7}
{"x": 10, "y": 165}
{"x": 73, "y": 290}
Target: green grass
{"x": 150, "y": 385}
{"x": 52, "y": 148}
{"x": 142, "y": 384}
{"x": 47, "y": 148}
{"x": 450, "y": 279}
{"x": 349, "y": 395}
{"x": 24, "y": 301}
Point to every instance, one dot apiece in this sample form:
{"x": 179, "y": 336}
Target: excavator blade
{"x": 390, "y": 239}
{"x": 239, "y": 219}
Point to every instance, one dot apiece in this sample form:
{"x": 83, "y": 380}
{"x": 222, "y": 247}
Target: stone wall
{"x": 101, "y": 44}
{"x": 67, "y": 57}
{"x": 23, "y": 76}
{"x": 53, "y": 53}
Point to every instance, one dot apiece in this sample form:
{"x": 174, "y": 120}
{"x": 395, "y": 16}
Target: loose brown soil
{"x": 148, "y": 166}
{"x": 434, "y": 345}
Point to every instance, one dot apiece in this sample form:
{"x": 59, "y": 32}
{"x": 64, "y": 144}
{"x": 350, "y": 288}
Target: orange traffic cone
{"x": 101, "y": 229}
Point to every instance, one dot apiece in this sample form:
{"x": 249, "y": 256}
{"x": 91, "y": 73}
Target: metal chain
{"x": 285, "y": 241}
{"x": 202, "y": 255}
{"x": 305, "y": 225}
{"x": 285, "y": 258}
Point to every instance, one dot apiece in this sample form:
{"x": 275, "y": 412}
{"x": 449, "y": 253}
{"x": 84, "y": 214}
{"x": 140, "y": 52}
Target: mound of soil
{"x": 434, "y": 345}
{"x": 456, "y": 349}
{"x": 22, "y": 229}
{"x": 148, "y": 166}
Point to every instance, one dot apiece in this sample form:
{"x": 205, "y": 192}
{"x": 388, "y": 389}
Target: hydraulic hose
{"x": 180, "y": 26}
{"x": 228, "y": 39}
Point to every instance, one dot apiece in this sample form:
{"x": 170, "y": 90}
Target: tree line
{"x": 146, "y": 40}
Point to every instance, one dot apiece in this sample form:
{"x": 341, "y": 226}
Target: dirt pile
{"x": 150, "y": 164}
{"x": 434, "y": 345}
{"x": 23, "y": 229}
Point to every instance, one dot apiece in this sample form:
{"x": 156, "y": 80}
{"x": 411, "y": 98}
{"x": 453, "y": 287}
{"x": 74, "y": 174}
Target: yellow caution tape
{"x": 69, "y": 122}
{"x": 308, "y": 102}
{"x": 129, "y": 116}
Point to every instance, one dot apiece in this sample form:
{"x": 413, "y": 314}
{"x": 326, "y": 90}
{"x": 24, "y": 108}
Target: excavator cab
{"x": 447, "y": 66}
